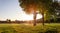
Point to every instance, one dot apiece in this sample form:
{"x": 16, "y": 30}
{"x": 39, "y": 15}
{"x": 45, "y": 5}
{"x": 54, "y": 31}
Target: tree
{"x": 44, "y": 8}
{"x": 55, "y": 7}
{"x": 8, "y": 20}
{"x": 31, "y": 6}
{"x": 51, "y": 13}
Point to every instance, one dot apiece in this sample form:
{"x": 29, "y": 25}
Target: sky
{"x": 10, "y": 9}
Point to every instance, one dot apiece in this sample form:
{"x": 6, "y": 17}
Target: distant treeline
{"x": 12, "y": 22}
{"x": 31, "y": 21}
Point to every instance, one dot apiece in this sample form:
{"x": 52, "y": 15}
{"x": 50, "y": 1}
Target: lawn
{"x": 28, "y": 28}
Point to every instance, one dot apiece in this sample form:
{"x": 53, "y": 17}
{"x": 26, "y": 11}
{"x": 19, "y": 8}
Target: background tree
{"x": 51, "y": 13}
{"x": 8, "y": 20}
{"x": 44, "y": 8}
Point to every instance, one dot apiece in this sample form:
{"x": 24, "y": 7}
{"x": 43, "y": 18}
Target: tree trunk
{"x": 43, "y": 19}
{"x": 34, "y": 22}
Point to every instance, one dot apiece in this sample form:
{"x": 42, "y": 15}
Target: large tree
{"x": 31, "y": 6}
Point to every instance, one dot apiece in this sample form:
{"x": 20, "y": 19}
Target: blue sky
{"x": 10, "y": 9}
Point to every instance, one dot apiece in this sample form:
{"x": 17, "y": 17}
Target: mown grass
{"x": 28, "y": 28}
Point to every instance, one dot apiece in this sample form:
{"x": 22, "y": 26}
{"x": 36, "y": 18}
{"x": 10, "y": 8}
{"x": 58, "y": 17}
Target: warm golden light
{"x": 27, "y": 17}
{"x": 22, "y": 16}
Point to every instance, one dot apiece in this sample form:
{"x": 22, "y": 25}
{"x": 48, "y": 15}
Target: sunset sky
{"x": 10, "y": 9}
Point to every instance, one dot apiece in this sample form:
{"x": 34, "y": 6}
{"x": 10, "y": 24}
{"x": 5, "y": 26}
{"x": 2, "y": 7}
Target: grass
{"x": 28, "y": 28}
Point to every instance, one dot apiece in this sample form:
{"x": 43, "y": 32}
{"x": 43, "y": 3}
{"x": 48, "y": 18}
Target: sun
{"x": 26, "y": 17}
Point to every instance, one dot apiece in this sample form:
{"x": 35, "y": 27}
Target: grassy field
{"x": 29, "y": 28}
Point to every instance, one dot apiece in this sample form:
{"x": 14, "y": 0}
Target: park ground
{"x": 29, "y": 28}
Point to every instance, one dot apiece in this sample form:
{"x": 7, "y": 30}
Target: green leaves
{"x": 35, "y": 4}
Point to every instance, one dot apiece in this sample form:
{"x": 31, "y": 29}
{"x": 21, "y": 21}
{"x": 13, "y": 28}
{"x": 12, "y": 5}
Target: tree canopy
{"x": 43, "y": 6}
{"x": 29, "y": 5}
